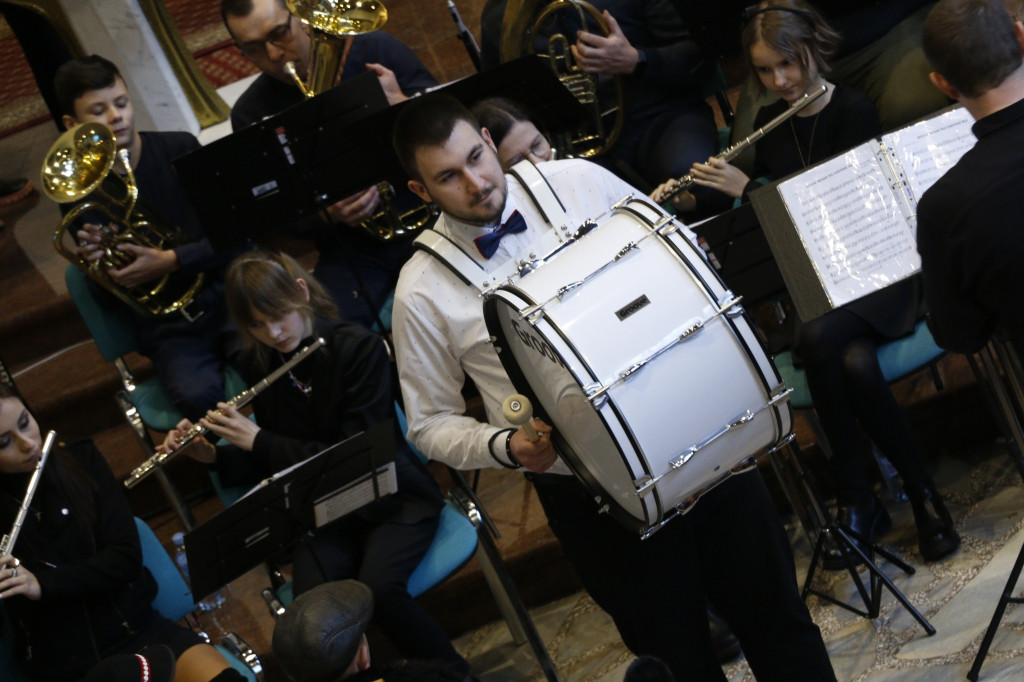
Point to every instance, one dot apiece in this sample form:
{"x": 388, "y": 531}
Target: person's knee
{"x": 860, "y": 361}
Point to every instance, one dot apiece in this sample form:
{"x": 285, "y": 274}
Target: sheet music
{"x": 929, "y": 148}
{"x": 849, "y": 221}
{"x": 347, "y": 499}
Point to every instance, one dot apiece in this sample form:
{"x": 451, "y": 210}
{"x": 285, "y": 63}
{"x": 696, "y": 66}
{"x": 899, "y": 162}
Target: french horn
{"x": 533, "y": 27}
{"x": 80, "y": 166}
{"x": 332, "y": 24}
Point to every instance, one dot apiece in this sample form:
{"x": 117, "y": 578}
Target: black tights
{"x": 840, "y": 356}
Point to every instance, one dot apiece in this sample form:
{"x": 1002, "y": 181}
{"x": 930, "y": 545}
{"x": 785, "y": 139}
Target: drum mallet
{"x": 518, "y": 410}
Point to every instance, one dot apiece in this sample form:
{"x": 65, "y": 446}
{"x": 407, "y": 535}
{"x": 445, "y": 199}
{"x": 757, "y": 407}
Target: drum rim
{"x": 574, "y": 462}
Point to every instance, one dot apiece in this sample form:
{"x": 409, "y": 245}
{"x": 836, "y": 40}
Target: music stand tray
{"x": 281, "y": 509}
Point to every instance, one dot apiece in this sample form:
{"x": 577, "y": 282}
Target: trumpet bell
{"x": 340, "y": 17}
{"x": 78, "y": 162}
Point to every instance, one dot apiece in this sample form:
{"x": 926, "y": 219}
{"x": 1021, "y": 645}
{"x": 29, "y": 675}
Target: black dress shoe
{"x": 14, "y": 189}
{"x": 936, "y": 536}
{"x": 727, "y": 647}
{"x": 869, "y": 520}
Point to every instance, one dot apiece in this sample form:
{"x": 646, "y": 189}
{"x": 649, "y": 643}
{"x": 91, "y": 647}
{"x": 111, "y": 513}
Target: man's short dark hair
{"x": 237, "y": 8}
{"x": 79, "y": 76}
{"x": 426, "y": 121}
{"x": 972, "y": 44}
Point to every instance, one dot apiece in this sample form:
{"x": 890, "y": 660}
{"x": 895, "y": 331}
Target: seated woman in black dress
{"x": 339, "y": 391}
{"x": 787, "y": 43}
{"x": 74, "y": 587}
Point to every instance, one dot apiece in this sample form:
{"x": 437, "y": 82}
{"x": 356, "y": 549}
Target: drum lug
{"x": 597, "y": 395}
{"x": 643, "y": 485}
{"x": 729, "y": 304}
{"x": 682, "y": 459}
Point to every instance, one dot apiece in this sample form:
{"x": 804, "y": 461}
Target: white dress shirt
{"x": 439, "y": 329}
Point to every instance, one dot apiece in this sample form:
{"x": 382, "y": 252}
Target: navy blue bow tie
{"x": 488, "y": 243}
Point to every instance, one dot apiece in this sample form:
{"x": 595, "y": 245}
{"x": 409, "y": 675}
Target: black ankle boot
{"x": 727, "y": 647}
{"x": 936, "y": 536}
{"x": 869, "y": 519}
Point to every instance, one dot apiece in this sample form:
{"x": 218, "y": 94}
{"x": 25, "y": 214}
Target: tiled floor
{"x": 986, "y": 497}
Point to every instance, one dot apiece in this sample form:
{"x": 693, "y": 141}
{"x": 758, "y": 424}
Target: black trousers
{"x": 729, "y": 550}
{"x": 383, "y": 556}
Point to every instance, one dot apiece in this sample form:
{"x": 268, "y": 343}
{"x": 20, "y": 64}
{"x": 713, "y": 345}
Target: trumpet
{"x": 686, "y": 182}
{"x": 144, "y": 470}
{"x": 8, "y": 540}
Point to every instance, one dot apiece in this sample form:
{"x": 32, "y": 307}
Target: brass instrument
{"x": 8, "y": 540}
{"x": 686, "y": 182}
{"x": 523, "y": 29}
{"x": 332, "y": 23}
{"x": 148, "y": 467}
{"x": 82, "y": 163}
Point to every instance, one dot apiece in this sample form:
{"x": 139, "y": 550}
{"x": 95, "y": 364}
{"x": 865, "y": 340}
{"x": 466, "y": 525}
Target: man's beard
{"x": 489, "y": 219}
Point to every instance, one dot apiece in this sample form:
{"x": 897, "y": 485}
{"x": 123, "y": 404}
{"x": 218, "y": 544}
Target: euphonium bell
{"x": 82, "y": 163}
{"x": 330, "y": 23}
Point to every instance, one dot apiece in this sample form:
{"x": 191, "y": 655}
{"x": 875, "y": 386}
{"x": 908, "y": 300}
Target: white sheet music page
{"x": 929, "y": 148}
{"x": 855, "y": 233}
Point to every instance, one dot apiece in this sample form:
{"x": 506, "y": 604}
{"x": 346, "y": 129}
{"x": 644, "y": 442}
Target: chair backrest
{"x": 174, "y": 598}
{"x": 112, "y": 328}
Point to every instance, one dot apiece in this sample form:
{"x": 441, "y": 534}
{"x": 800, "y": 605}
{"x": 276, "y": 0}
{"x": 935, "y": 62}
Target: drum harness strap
{"x": 467, "y": 269}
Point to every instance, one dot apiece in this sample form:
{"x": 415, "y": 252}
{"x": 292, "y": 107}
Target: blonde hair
{"x": 795, "y": 30}
{"x": 266, "y": 282}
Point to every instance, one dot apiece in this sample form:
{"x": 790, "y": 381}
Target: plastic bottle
{"x": 215, "y": 600}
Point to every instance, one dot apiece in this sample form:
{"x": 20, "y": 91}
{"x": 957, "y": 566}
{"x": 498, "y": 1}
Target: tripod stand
{"x": 845, "y": 540}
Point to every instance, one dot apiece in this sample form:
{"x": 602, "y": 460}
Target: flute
{"x": 244, "y": 398}
{"x": 8, "y": 540}
{"x": 729, "y": 153}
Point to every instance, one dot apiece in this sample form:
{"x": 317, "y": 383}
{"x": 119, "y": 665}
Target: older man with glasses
{"x": 358, "y": 271}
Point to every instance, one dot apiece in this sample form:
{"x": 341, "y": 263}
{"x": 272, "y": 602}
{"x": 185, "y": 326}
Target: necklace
{"x": 307, "y": 389}
{"x": 804, "y": 162}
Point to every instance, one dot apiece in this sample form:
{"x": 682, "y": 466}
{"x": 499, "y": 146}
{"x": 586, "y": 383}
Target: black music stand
{"x": 738, "y": 250}
{"x": 282, "y": 509}
{"x": 259, "y": 178}
{"x": 832, "y": 534}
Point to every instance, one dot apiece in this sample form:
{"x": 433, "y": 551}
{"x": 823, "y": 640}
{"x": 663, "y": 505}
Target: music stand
{"x": 259, "y": 178}
{"x": 738, "y": 250}
{"x": 282, "y": 509}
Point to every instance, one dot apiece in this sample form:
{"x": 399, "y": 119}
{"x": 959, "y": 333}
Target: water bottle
{"x": 215, "y": 600}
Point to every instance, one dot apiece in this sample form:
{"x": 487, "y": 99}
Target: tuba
{"x": 534, "y": 26}
{"x": 81, "y": 163}
{"x": 332, "y": 24}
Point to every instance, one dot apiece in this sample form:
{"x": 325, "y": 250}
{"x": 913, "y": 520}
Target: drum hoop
{"x": 572, "y": 459}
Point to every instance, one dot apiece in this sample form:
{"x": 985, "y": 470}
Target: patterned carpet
{"x": 986, "y": 498}
{"x": 199, "y": 22}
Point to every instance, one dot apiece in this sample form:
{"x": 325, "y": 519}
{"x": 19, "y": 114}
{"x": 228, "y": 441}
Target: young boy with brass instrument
{"x": 187, "y": 346}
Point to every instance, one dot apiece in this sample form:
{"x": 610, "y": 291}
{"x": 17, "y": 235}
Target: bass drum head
{"x": 542, "y": 365}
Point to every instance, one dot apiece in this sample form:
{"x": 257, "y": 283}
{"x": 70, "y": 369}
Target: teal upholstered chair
{"x": 144, "y": 404}
{"x": 174, "y": 602}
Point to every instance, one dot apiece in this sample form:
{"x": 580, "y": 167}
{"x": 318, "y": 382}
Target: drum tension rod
{"x": 645, "y": 483}
{"x": 596, "y": 393}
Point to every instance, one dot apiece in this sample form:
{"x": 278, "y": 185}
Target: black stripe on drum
{"x": 572, "y": 459}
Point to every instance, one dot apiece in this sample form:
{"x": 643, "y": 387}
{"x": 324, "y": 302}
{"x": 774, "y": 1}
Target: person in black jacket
{"x": 341, "y": 390}
{"x": 187, "y": 349}
{"x": 74, "y": 585}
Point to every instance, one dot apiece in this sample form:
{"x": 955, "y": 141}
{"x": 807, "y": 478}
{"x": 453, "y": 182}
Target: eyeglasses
{"x": 276, "y": 36}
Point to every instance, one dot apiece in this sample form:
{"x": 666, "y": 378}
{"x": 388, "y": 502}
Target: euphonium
{"x": 81, "y": 163}
{"x": 526, "y": 26}
{"x": 332, "y": 23}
